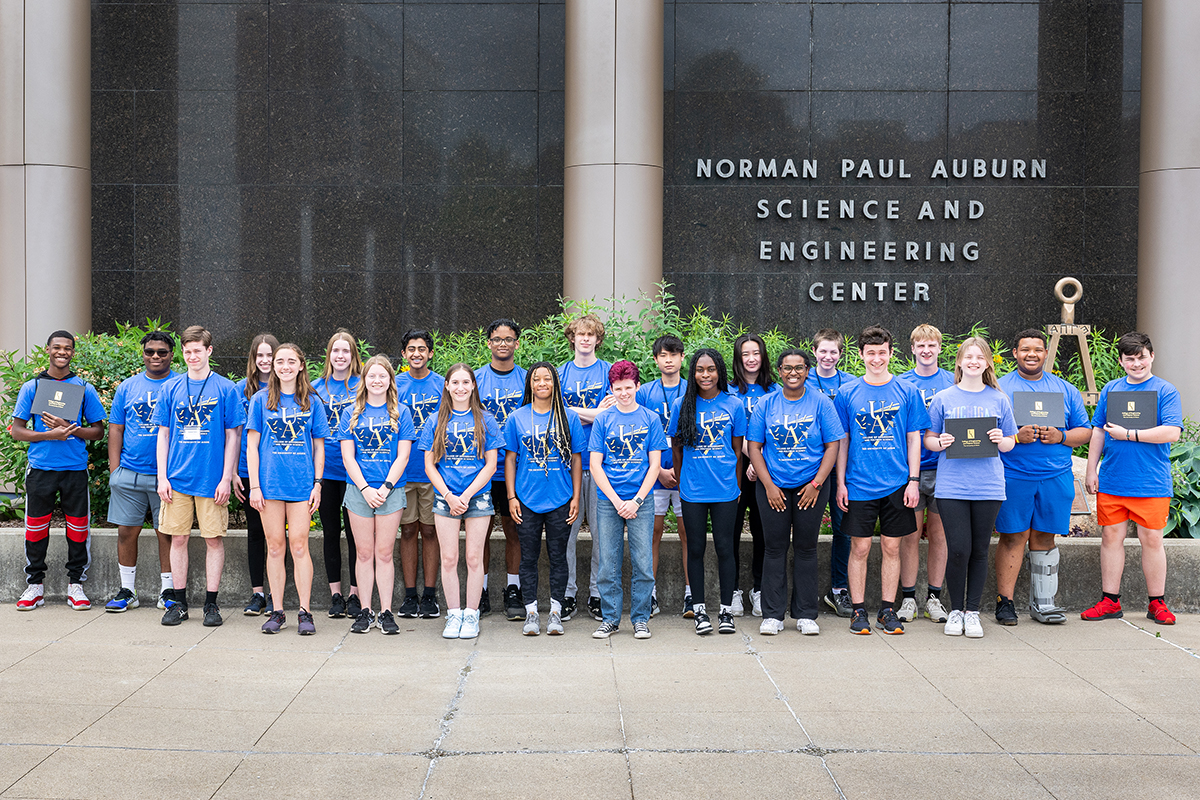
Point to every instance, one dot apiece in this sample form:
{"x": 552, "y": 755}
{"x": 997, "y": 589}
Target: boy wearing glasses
{"x": 133, "y": 468}
{"x": 501, "y": 385}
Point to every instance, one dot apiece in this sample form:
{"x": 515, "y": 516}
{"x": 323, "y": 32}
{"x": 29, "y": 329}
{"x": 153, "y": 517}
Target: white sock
{"x": 485, "y": 577}
{"x": 128, "y": 577}
{"x": 531, "y": 608}
{"x": 687, "y": 589}
{"x": 167, "y": 583}
{"x": 555, "y": 607}
{"x": 726, "y": 609}
{"x": 654, "y": 592}
{"x": 514, "y": 580}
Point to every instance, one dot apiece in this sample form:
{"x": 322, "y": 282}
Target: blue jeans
{"x": 839, "y": 555}
{"x": 610, "y": 539}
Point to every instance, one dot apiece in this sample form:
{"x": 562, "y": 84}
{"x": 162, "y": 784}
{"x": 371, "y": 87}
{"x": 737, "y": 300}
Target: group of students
{"x": 417, "y": 456}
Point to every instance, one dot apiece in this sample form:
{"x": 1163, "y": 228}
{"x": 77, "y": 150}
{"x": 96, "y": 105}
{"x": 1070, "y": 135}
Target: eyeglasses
{"x": 157, "y": 353}
{"x": 505, "y": 340}
{"x": 787, "y": 369}
{"x": 417, "y": 350}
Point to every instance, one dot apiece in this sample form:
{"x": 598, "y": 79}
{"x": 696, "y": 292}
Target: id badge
{"x": 191, "y": 433}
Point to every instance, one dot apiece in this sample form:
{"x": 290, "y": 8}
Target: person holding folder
{"x": 1129, "y": 471}
{"x": 970, "y": 424}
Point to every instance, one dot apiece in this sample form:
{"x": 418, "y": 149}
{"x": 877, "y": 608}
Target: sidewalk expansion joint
{"x": 435, "y": 753}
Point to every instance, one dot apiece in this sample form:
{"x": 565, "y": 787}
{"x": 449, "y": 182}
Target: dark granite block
{"x": 472, "y": 228}
{"x": 1063, "y": 45}
{"x": 669, "y": 137}
{"x": 113, "y": 28}
{"x": 222, "y": 137}
{"x": 1112, "y": 132}
{"x": 551, "y": 138}
{"x": 470, "y": 137}
{"x": 737, "y": 125}
{"x": 552, "y": 36}
{"x": 1026, "y": 228}
{"x": 337, "y": 46}
{"x": 114, "y": 150}
{"x": 1019, "y": 125}
{"x": 156, "y": 137}
{"x": 884, "y": 47}
{"x": 1132, "y": 51}
{"x": 668, "y": 45}
{"x": 550, "y": 229}
{"x": 222, "y": 47}
{"x": 343, "y": 137}
{"x": 471, "y": 46}
{"x": 995, "y": 46}
{"x": 870, "y": 126}
{"x": 113, "y": 300}
{"x": 736, "y": 47}
{"x": 155, "y": 50}
{"x": 1110, "y": 236}
{"x": 112, "y": 227}
{"x": 156, "y": 217}
{"x": 1106, "y": 25}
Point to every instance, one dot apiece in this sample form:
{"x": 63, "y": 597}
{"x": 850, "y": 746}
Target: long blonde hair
{"x": 989, "y": 373}
{"x": 356, "y": 365}
{"x": 444, "y": 410}
{"x": 304, "y": 386}
{"x": 252, "y": 366}
{"x": 393, "y": 396}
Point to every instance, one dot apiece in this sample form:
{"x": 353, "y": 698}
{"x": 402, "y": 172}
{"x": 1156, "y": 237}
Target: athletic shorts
{"x": 895, "y": 518}
{"x": 355, "y": 503}
{"x": 1041, "y": 505}
{"x": 478, "y": 506}
{"x": 418, "y": 503}
{"x": 500, "y": 498}
{"x": 131, "y": 495}
{"x": 926, "y": 500}
{"x": 667, "y": 498}
{"x": 69, "y": 487}
{"x": 1149, "y": 512}
{"x": 176, "y": 516}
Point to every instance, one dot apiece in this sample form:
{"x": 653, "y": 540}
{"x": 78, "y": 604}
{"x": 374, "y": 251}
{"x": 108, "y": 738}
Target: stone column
{"x": 1169, "y": 191}
{"x": 45, "y": 170}
{"x": 613, "y": 195}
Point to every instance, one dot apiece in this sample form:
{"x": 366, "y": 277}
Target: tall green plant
{"x": 1184, "y": 519}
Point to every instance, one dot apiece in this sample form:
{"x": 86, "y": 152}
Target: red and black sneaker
{"x": 1160, "y": 613}
{"x": 1105, "y": 609}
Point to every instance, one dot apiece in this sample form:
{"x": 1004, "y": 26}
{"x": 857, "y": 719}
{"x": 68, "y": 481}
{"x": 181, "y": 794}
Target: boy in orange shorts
{"x": 1133, "y": 481}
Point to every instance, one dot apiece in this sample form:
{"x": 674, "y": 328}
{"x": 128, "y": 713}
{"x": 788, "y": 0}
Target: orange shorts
{"x": 1149, "y": 512}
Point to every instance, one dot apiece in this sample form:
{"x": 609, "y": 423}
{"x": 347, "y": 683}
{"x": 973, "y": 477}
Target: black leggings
{"x": 256, "y": 542}
{"x": 335, "y": 519}
{"x": 749, "y": 502}
{"x": 800, "y": 528}
{"x": 968, "y": 525}
{"x": 558, "y": 530}
{"x": 724, "y": 534}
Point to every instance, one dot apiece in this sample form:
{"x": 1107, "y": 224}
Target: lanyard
{"x": 670, "y": 403}
{"x": 821, "y": 384}
{"x": 199, "y": 395}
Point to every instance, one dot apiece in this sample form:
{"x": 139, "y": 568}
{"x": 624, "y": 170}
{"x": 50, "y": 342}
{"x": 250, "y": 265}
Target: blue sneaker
{"x": 124, "y": 601}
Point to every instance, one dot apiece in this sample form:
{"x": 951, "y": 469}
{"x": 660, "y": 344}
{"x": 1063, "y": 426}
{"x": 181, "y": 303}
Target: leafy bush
{"x": 1184, "y": 521}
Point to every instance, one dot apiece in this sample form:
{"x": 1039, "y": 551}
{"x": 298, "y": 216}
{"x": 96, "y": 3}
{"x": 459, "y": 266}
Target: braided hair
{"x": 558, "y": 431}
{"x": 686, "y": 433}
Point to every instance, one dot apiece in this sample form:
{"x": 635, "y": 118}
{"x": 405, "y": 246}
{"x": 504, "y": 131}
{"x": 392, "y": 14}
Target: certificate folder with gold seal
{"x": 1136, "y": 411}
{"x": 59, "y": 398}
{"x": 970, "y": 438}
{"x": 1045, "y": 409}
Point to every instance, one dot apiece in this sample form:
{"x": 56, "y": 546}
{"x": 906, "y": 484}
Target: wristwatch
{"x": 816, "y": 484}
{"x": 389, "y": 485}
{"x": 638, "y": 500}
{"x": 914, "y": 478}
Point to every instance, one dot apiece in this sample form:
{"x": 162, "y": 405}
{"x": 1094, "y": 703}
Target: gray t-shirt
{"x": 970, "y": 478}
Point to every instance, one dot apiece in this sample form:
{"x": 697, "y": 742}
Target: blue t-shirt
{"x": 376, "y": 444}
{"x": 793, "y": 434}
{"x": 133, "y": 407}
{"x": 462, "y": 462}
{"x": 928, "y": 386}
{"x": 422, "y": 398}
{"x": 285, "y": 445}
{"x": 625, "y": 441}
{"x": 197, "y": 414}
{"x": 829, "y": 386}
{"x": 70, "y": 453}
{"x": 971, "y": 478}
{"x": 543, "y": 479}
{"x": 1038, "y": 460}
{"x": 500, "y": 392}
{"x": 243, "y": 465}
{"x": 584, "y": 387}
{"x": 708, "y": 473}
{"x": 337, "y": 397}
{"x": 659, "y": 399}
{"x": 1138, "y": 469}
{"x": 878, "y": 420}
{"x": 754, "y": 392}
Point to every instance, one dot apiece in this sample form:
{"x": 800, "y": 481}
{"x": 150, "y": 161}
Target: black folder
{"x": 970, "y": 438}
{"x": 1046, "y": 409}
{"x": 1136, "y": 411}
{"x": 59, "y": 398}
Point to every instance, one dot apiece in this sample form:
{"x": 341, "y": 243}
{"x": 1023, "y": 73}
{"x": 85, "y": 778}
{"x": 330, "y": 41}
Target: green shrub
{"x": 1184, "y": 521}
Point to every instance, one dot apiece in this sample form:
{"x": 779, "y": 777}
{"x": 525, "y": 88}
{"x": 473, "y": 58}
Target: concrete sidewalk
{"x": 99, "y": 705}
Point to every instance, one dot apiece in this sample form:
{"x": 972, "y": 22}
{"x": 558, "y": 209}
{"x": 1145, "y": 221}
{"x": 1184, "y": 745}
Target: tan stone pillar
{"x": 1169, "y": 192}
{"x": 45, "y": 170}
{"x": 613, "y": 195}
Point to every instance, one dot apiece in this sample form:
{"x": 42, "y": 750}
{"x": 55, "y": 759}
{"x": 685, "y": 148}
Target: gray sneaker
{"x": 532, "y": 624}
{"x": 304, "y": 623}
{"x": 275, "y": 623}
{"x": 554, "y": 626}
{"x": 212, "y": 616}
{"x": 839, "y": 602}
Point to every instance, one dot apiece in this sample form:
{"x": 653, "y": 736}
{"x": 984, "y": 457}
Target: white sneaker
{"x": 454, "y": 621}
{"x": 554, "y": 625}
{"x": 470, "y": 624}
{"x": 770, "y": 626}
{"x": 736, "y": 608}
{"x": 954, "y": 624}
{"x": 76, "y": 599}
{"x": 808, "y": 627}
{"x": 971, "y": 626}
{"x": 935, "y": 611}
{"x": 32, "y": 598}
{"x": 908, "y": 610}
{"x": 756, "y": 603}
{"x": 532, "y": 624}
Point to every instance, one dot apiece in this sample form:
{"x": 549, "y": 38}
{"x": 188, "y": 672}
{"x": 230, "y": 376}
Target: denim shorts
{"x": 356, "y": 504}
{"x": 478, "y": 506}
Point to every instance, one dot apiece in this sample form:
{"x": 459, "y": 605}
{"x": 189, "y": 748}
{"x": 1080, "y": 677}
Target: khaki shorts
{"x": 175, "y": 518}
{"x": 420, "y": 504}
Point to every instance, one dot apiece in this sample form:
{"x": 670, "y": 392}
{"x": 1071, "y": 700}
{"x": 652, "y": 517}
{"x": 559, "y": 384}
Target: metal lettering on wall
{"x": 873, "y": 205}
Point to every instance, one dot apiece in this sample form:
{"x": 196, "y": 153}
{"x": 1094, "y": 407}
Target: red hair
{"x": 623, "y": 371}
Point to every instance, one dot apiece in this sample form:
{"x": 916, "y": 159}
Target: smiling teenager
{"x": 258, "y": 369}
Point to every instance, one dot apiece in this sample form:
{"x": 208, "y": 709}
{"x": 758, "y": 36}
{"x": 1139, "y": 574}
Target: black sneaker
{"x": 256, "y": 606}
{"x": 703, "y": 625}
{"x": 429, "y": 606}
{"x": 485, "y": 603}
{"x": 888, "y": 622}
{"x": 353, "y": 606}
{"x": 212, "y": 616}
{"x": 337, "y": 606}
{"x": 594, "y": 609}
{"x": 1006, "y": 611}
{"x": 689, "y": 608}
{"x": 514, "y": 604}
{"x": 410, "y": 608}
{"x": 387, "y": 623}
{"x": 654, "y": 609}
{"x": 839, "y": 603}
{"x": 859, "y": 622}
{"x": 363, "y": 622}
{"x": 175, "y": 614}
{"x": 270, "y": 604}
{"x": 725, "y": 623}
{"x": 569, "y": 607}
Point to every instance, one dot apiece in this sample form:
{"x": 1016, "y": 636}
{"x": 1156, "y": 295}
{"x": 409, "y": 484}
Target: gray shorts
{"x": 131, "y": 495}
{"x": 926, "y": 500}
{"x": 478, "y": 506}
{"x": 355, "y": 503}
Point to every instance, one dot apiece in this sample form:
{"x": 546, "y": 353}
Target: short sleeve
{"x": 842, "y": 407}
{"x": 1008, "y": 423}
{"x": 937, "y": 415}
{"x": 918, "y": 416}
{"x": 578, "y": 443}
{"x": 166, "y": 402}
{"x": 1170, "y": 407}
{"x": 232, "y": 411}
{"x": 425, "y": 442}
{"x": 599, "y": 429}
{"x": 657, "y": 440}
{"x": 117, "y": 415}
{"x": 831, "y": 425}
{"x": 93, "y": 409}
{"x": 24, "y": 407}
{"x": 739, "y": 420}
{"x": 756, "y": 429}
{"x": 258, "y": 407}
{"x": 512, "y": 436}
{"x": 1076, "y": 412}
{"x": 673, "y": 427}
{"x": 406, "y": 430}
{"x": 494, "y": 440}
{"x": 320, "y": 419}
{"x": 1100, "y": 415}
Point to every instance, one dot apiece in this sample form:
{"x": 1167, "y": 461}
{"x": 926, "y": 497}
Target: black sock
{"x": 908, "y": 591}
{"x": 430, "y": 591}
{"x": 858, "y": 606}
{"x": 179, "y": 595}
{"x": 410, "y": 591}
{"x": 1158, "y": 598}
{"x": 886, "y": 605}
{"x": 1116, "y": 598}
{"x": 1000, "y": 597}
{"x": 935, "y": 591}
{"x": 210, "y": 597}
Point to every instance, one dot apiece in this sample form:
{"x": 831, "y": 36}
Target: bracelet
{"x": 511, "y": 498}
{"x": 253, "y": 487}
{"x": 816, "y": 484}
{"x": 1135, "y": 436}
